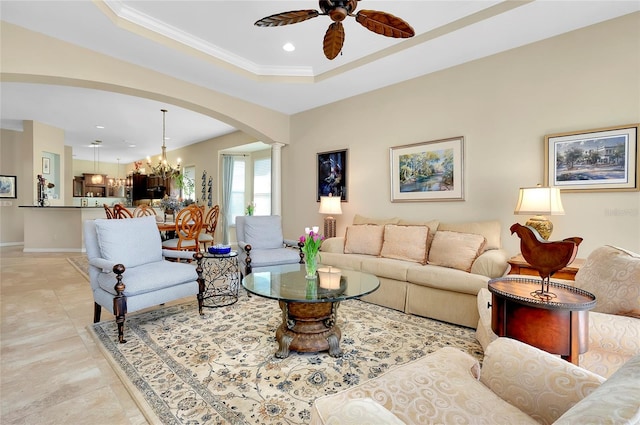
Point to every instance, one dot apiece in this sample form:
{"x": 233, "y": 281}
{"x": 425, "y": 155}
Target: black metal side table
{"x": 220, "y": 275}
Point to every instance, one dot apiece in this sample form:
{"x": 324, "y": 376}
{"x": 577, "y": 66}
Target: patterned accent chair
{"x": 127, "y": 270}
{"x": 518, "y": 384}
{"x": 261, "y": 243}
{"x": 613, "y": 276}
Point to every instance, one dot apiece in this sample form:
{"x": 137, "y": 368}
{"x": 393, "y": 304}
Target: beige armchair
{"x": 613, "y": 276}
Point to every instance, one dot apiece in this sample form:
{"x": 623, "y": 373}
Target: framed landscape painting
{"x": 332, "y": 174}
{"x": 599, "y": 160}
{"x": 8, "y": 187}
{"x": 429, "y": 171}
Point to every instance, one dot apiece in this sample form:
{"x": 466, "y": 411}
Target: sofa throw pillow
{"x": 455, "y": 250}
{"x": 405, "y": 243}
{"x": 491, "y": 230}
{"x": 359, "y": 219}
{"x": 363, "y": 239}
{"x": 431, "y": 224}
{"x": 131, "y": 242}
{"x": 264, "y": 231}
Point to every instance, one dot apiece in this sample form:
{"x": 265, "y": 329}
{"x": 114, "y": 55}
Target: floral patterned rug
{"x": 220, "y": 368}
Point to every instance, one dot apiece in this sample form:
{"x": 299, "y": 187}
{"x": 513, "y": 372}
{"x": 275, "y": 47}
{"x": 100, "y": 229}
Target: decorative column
{"x": 276, "y": 178}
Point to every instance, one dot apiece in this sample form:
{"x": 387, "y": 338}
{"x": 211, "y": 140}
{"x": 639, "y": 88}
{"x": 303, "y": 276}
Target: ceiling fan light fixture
{"x": 382, "y": 23}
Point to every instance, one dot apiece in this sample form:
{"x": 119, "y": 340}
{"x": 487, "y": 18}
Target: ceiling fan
{"x": 379, "y": 22}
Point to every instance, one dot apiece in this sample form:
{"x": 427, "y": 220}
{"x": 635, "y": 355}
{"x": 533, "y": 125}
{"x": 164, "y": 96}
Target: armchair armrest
{"x": 182, "y": 255}
{"x": 540, "y": 384}
{"x": 102, "y": 263}
{"x": 291, "y": 243}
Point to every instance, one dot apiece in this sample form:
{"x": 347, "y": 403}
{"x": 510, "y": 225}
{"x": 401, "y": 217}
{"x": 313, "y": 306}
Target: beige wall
{"x": 11, "y": 217}
{"x": 503, "y": 106}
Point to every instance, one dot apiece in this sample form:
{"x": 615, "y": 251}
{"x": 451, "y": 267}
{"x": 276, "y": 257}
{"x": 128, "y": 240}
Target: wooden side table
{"x": 520, "y": 266}
{"x": 559, "y": 325}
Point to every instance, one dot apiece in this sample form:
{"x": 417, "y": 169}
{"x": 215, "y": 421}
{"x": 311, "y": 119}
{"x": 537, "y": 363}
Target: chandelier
{"x": 96, "y": 178}
{"x": 164, "y": 168}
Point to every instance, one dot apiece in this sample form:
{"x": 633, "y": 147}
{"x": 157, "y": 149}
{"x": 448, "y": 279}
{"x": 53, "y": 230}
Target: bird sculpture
{"x": 547, "y": 257}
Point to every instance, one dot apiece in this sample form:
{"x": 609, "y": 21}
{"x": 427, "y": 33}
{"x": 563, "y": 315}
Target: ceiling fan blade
{"x": 385, "y": 24}
{"x": 286, "y": 18}
{"x": 333, "y": 40}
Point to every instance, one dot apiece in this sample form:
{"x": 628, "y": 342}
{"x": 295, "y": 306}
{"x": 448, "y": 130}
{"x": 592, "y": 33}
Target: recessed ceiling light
{"x": 132, "y": 146}
{"x": 289, "y": 47}
{"x": 100, "y": 126}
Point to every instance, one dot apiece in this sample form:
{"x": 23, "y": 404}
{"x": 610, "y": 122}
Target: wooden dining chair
{"x": 120, "y": 211}
{"x": 206, "y": 236}
{"x": 108, "y": 211}
{"x": 144, "y": 210}
{"x": 187, "y": 228}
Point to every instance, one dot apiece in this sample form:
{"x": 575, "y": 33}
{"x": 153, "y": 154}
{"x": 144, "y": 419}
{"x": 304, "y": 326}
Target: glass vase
{"x": 311, "y": 265}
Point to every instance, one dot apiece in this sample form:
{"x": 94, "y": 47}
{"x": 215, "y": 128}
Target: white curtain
{"x": 227, "y": 184}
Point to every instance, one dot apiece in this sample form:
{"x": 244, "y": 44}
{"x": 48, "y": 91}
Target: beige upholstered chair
{"x": 613, "y": 276}
{"x": 127, "y": 270}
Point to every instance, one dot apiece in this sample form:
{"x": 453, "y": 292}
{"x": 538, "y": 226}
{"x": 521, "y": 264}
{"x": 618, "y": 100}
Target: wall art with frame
{"x": 8, "y": 187}
{"x": 428, "y": 171}
{"x": 332, "y": 174}
{"x": 599, "y": 160}
{"x": 46, "y": 165}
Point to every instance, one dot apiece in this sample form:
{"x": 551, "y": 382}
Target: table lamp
{"x": 540, "y": 201}
{"x": 330, "y": 205}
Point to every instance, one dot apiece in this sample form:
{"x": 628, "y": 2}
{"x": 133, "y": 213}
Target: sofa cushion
{"x": 386, "y": 267}
{"x": 613, "y": 402}
{"x": 364, "y": 239}
{"x": 456, "y": 250}
{"x": 431, "y": 224}
{"x": 131, "y": 242}
{"x": 445, "y": 278}
{"x": 405, "y": 243}
{"x": 613, "y": 276}
{"x": 491, "y": 230}
{"x": 542, "y": 385}
{"x": 359, "y": 219}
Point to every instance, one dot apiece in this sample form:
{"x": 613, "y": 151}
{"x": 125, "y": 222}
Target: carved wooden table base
{"x": 308, "y": 327}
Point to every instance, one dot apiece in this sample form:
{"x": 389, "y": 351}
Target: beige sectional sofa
{"x": 517, "y": 384}
{"x": 429, "y": 268}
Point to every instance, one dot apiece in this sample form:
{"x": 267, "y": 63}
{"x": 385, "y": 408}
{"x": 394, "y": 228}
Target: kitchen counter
{"x": 57, "y": 228}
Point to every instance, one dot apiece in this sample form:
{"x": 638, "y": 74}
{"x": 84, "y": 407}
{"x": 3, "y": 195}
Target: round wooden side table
{"x": 559, "y": 325}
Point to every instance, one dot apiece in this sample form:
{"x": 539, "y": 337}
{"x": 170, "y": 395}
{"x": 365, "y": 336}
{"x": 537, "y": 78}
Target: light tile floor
{"x": 51, "y": 371}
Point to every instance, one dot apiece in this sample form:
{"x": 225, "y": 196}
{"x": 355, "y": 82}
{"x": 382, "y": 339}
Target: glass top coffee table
{"x": 309, "y": 312}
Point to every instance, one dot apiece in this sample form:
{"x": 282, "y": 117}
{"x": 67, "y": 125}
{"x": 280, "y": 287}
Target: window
{"x": 189, "y": 181}
{"x": 237, "y": 204}
{"x": 262, "y": 186}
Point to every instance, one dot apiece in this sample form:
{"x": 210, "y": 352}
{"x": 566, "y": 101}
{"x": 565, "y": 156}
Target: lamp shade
{"x": 539, "y": 201}
{"x": 330, "y": 205}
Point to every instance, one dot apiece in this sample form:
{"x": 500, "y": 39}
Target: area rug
{"x": 81, "y": 264}
{"x": 219, "y": 368}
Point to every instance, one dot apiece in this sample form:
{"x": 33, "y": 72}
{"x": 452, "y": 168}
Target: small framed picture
{"x": 332, "y": 174}
{"x": 46, "y": 165}
{"x": 8, "y": 187}
{"x": 600, "y": 160}
{"x": 428, "y": 171}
